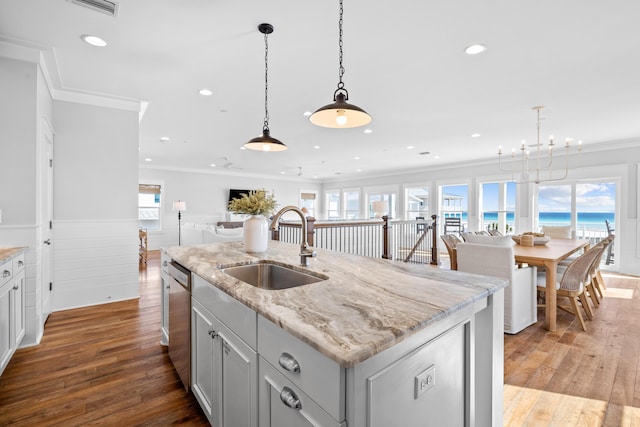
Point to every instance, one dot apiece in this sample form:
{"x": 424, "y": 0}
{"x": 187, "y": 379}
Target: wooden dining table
{"x": 549, "y": 256}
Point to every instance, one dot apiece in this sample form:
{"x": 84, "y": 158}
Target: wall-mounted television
{"x": 236, "y": 194}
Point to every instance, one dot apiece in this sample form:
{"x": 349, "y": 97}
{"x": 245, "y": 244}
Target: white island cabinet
{"x": 12, "y": 305}
{"x": 376, "y": 344}
{"x": 224, "y": 367}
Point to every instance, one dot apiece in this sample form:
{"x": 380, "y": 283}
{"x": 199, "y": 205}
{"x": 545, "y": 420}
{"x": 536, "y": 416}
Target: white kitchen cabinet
{"x": 283, "y": 404}
{"x": 164, "y": 294}
{"x": 12, "y": 307}
{"x": 224, "y": 371}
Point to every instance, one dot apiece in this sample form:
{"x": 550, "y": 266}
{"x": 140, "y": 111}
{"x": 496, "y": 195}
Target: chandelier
{"x": 543, "y": 164}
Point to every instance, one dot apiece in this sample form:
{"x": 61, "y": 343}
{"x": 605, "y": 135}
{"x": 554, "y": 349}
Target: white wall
{"x": 206, "y": 196}
{"x": 95, "y": 205}
{"x": 614, "y": 160}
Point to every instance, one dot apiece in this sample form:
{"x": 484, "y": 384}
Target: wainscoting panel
{"x": 94, "y": 262}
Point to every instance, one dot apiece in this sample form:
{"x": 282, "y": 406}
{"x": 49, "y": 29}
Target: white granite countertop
{"x": 366, "y": 306}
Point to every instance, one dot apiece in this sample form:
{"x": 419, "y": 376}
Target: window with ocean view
{"x": 594, "y": 203}
{"x": 498, "y": 205}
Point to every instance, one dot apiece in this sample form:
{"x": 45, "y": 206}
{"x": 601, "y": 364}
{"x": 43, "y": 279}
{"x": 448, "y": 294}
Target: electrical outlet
{"x": 425, "y": 381}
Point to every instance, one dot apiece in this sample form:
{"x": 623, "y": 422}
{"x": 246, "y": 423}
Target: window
{"x": 333, "y": 204}
{"x": 498, "y": 206}
{"x": 583, "y": 205}
{"x": 308, "y": 202}
{"x": 149, "y": 196}
{"x": 352, "y": 204}
{"x": 381, "y": 204}
{"x": 417, "y": 202}
{"x": 453, "y": 203}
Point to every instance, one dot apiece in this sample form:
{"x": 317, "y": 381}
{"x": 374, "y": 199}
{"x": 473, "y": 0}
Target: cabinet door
{"x": 5, "y": 325}
{"x": 18, "y": 315}
{"x": 239, "y": 383}
{"x": 206, "y": 365}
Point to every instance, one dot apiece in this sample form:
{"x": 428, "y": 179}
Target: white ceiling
{"x": 404, "y": 64}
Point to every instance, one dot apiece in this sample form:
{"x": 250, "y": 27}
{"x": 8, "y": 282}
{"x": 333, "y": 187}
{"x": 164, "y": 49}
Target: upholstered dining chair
{"x": 558, "y": 231}
{"x": 572, "y": 284}
{"x": 450, "y": 242}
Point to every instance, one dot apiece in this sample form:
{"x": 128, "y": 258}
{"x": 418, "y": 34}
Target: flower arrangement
{"x": 257, "y": 202}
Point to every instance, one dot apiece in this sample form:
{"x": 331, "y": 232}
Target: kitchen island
{"x": 376, "y": 343}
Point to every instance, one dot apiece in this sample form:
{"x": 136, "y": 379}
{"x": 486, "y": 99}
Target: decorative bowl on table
{"x": 537, "y": 240}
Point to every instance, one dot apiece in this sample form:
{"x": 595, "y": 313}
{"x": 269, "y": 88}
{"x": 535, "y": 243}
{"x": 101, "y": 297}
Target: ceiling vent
{"x": 104, "y": 6}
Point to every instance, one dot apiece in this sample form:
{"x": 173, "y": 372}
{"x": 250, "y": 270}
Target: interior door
{"x": 46, "y": 217}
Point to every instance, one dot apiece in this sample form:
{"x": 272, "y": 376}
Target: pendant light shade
{"x": 340, "y": 114}
{"x": 265, "y": 142}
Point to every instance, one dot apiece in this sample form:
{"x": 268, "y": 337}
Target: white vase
{"x": 256, "y": 233}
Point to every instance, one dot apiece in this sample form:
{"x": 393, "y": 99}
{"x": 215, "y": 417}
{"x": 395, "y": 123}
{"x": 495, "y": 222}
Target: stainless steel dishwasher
{"x": 180, "y": 321}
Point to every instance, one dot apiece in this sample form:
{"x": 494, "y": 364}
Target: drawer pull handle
{"x": 289, "y": 363}
{"x": 290, "y": 399}
{"x": 6, "y": 273}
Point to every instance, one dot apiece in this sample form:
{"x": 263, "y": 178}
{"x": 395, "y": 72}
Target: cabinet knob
{"x": 165, "y": 263}
{"x": 20, "y": 263}
{"x": 290, "y": 398}
{"x": 289, "y": 363}
{"x": 213, "y": 334}
{"x": 47, "y": 242}
{"x": 16, "y": 287}
{"x": 6, "y": 273}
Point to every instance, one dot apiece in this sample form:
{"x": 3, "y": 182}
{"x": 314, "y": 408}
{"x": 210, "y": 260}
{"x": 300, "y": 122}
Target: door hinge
{"x": 50, "y": 225}
{"x": 50, "y": 286}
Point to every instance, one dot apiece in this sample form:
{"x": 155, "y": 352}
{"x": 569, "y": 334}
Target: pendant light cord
{"x": 341, "y": 67}
{"x": 266, "y": 83}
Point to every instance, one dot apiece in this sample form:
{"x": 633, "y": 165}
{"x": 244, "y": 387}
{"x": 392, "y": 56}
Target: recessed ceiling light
{"x": 94, "y": 40}
{"x": 283, "y": 172}
{"x": 205, "y": 92}
{"x": 358, "y": 170}
{"x": 316, "y": 147}
{"x": 147, "y": 160}
{"x": 164, "y": 138}
{"x": 410, "y": 147}
{"x": 243, "y": 147}
{"x": 356, "y": 158}
{"x": 368, "y": 131}
{"x": 213, "y": 165}
{"x": 307, "y": 113}
{"x": 475, "y": 49}
{"x": 475, "y": 135}
{"x": 315, "y": 177}
{"x": 436, "y": 157}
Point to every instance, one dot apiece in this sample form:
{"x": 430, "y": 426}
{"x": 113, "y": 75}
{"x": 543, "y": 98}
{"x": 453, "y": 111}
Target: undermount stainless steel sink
{"x": 267, "y": 275}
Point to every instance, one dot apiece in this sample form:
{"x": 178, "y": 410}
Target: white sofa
{"x": 520, "y": 305}
{"x": 196, "y": 234}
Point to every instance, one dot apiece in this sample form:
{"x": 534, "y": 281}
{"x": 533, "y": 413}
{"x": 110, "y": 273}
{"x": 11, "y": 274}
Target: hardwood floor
{"x": 100, "y": 365}
{"x": 575, "y": 378}
{"x": 104, "y": 365}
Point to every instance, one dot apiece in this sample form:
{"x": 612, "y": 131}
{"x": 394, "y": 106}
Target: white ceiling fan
{"x": 228, "y": 164}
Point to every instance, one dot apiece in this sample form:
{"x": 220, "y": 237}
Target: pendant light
{"x": 265, "y": 142}
{"x": 340, "y": 114}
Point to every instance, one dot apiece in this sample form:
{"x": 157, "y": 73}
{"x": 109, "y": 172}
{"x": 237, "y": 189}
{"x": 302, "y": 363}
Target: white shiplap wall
{"x": 95, "y": 261}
